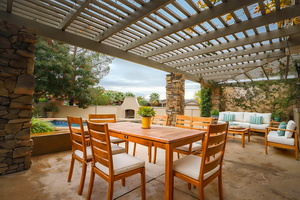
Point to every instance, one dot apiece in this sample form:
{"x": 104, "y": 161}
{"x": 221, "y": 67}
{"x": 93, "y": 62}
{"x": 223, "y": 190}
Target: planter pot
{"x": 49, "y": 114}
{"x": 146, "y": 122}
{"x": 215, "y": 116}
{"x": 277, "y": 119}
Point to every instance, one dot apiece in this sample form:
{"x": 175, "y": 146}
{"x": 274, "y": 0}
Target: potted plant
{"x": 215, "y": 113}
{"x": 146, "y": 113}
{"x": 51, "y": 109}
{"x": 277, "y": 115}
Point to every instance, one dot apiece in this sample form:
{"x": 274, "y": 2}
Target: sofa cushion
{"x": 247, "y": 116}
{"x": 282, "y": 125}
{"x": 273, "y": 137}
{"x": 291, "y": 125}
{"x": 245, "y": 125}
{"x": 190, "y": 166}
{"x": 266, "y": 117}
{"x": 238, "y": 116}
{"x": 259, "y": 126}
{"x": 122, "y": 163}
{"x": 221, "y": 115}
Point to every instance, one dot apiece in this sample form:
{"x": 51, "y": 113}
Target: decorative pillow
{"x": 247, "y": 116}
{"x": 230, "y": 117}
{"x": 221, "y": 115}
{"x": 238, "y": 116}
{"x": 266, "y": 117}
{"x": 291, "y": 125}
{"x": 255, "y": 120}
{"x": 225, "y": 117}
{"x": 282, "y": 125}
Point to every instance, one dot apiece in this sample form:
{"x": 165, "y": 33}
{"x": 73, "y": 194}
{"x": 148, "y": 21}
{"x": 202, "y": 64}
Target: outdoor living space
{"x": 247, "y": 174}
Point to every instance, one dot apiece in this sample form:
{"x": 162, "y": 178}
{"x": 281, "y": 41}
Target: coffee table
{"x": 240, "y": 131}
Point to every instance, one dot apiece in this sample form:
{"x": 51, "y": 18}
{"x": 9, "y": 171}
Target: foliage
{"x": 119, "y": 96}
{"x": 270, "y": 6}
{"x": 197, "y": 96}
{"x": 215, "y": 112}
{"x": 146, "y": 111}
{"x": 36, "y": 111}
{"x": 41, "y": 126}
{"x": 98, "y": 96}
{"x": 206, "y": 104}
{"x": 278, "y": 113}
{"x": 264, "y": 96}
{"x": 129, "y": 94}
{"x": 142, "y": 101}
{"x": 67, "y": 72}
{"x": 114, "y": 96}
{"x": 51, "y": 107}
{"x": 154, "y": 98}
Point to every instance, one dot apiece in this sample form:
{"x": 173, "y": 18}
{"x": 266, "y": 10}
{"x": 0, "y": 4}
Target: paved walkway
{"x": 247, "y": 174}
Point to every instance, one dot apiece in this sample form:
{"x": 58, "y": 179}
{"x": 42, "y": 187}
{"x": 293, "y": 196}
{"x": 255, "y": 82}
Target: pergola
{"x": 155, "y": 32}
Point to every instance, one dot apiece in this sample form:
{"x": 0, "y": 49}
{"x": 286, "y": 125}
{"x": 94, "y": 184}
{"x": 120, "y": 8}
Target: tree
{"x": 154, "y": 99}
{"x": 111, "y": 95}
{"x": 206, "y": 104}
{"x": 98, "y": 96}
{"x": 129, "y": 94}
{"x": 197, "y": 96}
{"x": 67, "y": 72}
{"x": 142, "y": 101}
{"x": 120, "y": 96}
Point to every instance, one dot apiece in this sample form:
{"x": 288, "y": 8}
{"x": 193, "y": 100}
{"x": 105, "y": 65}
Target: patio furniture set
{"x": 191, "y": 136}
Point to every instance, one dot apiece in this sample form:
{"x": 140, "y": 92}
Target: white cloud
{"x": 125, "y": 76}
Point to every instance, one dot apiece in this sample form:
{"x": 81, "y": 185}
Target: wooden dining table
{"x": 165, "y": 137}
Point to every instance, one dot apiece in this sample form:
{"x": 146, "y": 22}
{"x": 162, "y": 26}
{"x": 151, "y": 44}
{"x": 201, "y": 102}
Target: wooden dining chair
{"x": 80, "y": 152}
{"x": 157, "y": 120}
{"x": 200, "y": 123}
{"x": 198, "y": 170}
{"x": 107, "y": 118}
{"x": 185, "y": 122}
{"x": 111, "y": 167}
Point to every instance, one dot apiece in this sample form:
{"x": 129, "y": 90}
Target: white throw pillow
{"x": 247, "y": 116}
{"x": 266, "y": 117}
{"x": 238, "y": 116}
{"x": 221, "y": 115}
{"x": 291, "y": 125}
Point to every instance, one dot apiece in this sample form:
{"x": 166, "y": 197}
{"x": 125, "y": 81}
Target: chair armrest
{"x": 271, "y": 128}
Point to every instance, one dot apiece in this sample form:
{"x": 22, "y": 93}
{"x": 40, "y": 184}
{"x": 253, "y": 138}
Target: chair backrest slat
{"x": 160, "y": 120}
{"x": 183, "y": 121}
{"x": 77, "y": 135}
{"x": 102, "y": 118}
{"x": 213, "y": 144}
{"x": 200, "y": 123}
{"x": 100, "y": 145}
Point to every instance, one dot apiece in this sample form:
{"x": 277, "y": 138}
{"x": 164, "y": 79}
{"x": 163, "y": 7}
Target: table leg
{"x": 169, "y": 184}
{"x": 243, "y": 139}
{"x": 249, "y": 135}
{"x": 126, "y": 146}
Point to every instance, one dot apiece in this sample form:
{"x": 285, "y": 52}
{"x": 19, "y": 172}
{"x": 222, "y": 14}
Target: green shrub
{"x": 40, "y": 126}
{"x": 205, "y": 104}
{"x": 215, "y": 112}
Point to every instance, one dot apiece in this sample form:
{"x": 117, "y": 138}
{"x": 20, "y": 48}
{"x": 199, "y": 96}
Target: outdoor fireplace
{"x": 129, "y": 113}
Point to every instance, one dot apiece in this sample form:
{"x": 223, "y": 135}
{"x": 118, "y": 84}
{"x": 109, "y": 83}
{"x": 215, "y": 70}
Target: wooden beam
{"x": 248, "y": 76}
{"x": 9, "y": 5}
{"x": 203, "y": 16}
{"x": 262, "y": 7}
{"x": 242, "y": 41}
{"x": 139, "y": 14}
{"x": 235, "y": 28}
{"x": 44, "y": 30}
{"x": 265, "y": 72}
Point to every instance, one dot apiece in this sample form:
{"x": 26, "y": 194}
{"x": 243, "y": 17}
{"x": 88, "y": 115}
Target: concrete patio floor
{"x": 247, "y": 174}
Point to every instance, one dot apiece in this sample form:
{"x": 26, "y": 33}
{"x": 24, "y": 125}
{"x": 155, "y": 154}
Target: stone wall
{"x": 175, "y": 88}
{"x": 17, "y": 51}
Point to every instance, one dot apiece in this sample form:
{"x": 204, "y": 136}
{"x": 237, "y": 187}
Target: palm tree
{"x": 154, "y": 99}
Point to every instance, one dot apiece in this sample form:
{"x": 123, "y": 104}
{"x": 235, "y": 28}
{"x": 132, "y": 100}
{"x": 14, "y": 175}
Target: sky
{"x": 125, "y": 76}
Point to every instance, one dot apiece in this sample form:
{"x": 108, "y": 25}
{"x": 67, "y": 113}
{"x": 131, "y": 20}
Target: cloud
{"x": 126, "y": 76}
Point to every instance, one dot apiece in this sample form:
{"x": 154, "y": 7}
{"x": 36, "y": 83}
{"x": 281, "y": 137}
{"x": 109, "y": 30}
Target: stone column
{"x": 175, "y": 88}
{"x": 17, "y": 51}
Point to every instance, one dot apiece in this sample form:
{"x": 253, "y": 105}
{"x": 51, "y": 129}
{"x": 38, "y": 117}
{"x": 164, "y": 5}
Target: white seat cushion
{"x": 190, "y": 166}
{"x": 245, "y": 125}
{"x": 291, "y": 125}
{"x": 247, "y": 116}
{"x": 259, "y": 126}
{"x": 238, "y": 116}
{"x": 196, "y": 146}
{"x": 266, "y": 117}
{"x": 122, "y": 163}
{"x": 115, "y": 140}
{"x": 273, "y": 137}
{"x": 115, "y": 149}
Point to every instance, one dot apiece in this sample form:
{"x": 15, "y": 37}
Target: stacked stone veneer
{"x": 175, "y": 87}
{"x": 17, "y": 51}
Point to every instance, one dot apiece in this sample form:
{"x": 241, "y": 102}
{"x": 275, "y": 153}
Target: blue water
{"x": 64, "y": 124}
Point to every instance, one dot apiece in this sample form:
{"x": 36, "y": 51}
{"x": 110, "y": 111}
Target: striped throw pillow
{"x": 225, "y": 117}
{"x": 252, "y": 120}
{"x": 230, "y": 117}
{"x": 258, "y": 120}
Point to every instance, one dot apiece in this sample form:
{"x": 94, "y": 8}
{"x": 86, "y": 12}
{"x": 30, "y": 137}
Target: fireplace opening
{"x": 129, "y": 113}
